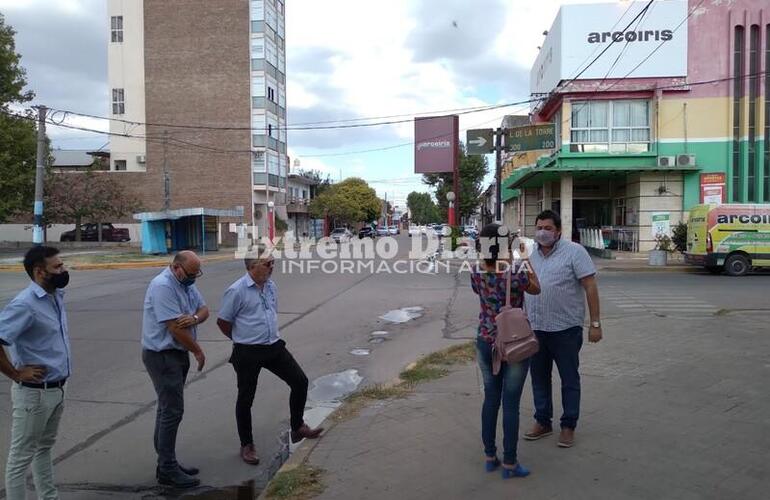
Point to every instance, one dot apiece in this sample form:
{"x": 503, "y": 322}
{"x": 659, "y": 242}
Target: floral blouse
{"x": 490, "y": 288}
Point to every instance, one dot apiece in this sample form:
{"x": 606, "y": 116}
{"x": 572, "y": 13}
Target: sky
{"x": 346, "y": 59}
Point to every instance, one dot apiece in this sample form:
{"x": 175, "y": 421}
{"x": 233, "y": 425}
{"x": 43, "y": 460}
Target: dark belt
{"x": 45, "y": 385}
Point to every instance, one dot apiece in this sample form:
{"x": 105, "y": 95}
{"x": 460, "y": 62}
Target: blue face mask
{"x": 187, "y": 282}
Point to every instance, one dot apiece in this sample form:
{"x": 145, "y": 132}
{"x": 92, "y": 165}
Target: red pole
{"x": 271, "y": 224}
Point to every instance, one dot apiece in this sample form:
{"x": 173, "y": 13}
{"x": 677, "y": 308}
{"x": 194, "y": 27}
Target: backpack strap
{"x": 508, "y": 287}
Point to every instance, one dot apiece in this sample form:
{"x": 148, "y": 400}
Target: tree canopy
{"x": 348, "y": 202}
{"x": 18, "y": 136}
{"x": 90, "y": 196}
{"x": 422, "y": 208}
{"x": 473, "y": 169}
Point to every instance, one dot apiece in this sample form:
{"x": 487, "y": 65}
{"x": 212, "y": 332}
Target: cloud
{"x": 454, "y": 29}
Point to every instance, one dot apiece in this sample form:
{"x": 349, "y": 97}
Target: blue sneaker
{"x": 492, "y": 465}
{"x": 518, "y": 471}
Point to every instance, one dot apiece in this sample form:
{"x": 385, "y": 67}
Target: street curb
{"x": 305, "y": 449}
{"x": 117, "y": 265}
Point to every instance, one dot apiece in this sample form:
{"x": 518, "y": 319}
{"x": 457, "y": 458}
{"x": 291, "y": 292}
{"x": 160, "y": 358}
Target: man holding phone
{"x": 173, "y": 307}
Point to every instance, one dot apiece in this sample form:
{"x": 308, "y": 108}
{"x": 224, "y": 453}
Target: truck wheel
{"x": 715, "y": 269}
{"x": 737, "y": 265}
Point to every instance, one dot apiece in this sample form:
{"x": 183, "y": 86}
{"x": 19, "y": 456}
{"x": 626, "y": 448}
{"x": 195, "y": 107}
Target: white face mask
{"x": 545, "y": 237}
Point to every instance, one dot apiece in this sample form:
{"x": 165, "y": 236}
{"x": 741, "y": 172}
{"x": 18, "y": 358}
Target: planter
{"x": 658, "y": 258}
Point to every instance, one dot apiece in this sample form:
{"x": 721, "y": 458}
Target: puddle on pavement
{"x": 334, "y": 387}
{"x": 380, "y": 333}
{"x": 360, "y": 352}
{"x": 377, "y": 340}
{"x": 402, "y": 315}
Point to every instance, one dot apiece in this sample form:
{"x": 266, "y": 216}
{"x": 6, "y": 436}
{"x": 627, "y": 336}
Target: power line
{"x": 689, "y": 14}
{"x": 607, "y": 47}
{"x": 459, "y": 111}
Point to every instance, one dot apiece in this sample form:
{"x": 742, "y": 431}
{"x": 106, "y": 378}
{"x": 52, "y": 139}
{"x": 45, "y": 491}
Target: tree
{"x": 18, "y": 135}
{"x": 422, "y": 208}
{"x": 348, "y": 202}
{"x": 473, "y": 169}
{"x": 89, "y": 196}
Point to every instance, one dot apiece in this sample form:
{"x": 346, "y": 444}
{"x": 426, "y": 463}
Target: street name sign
{"x": 530, "y": 138}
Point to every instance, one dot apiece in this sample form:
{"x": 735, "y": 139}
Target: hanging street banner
{"x": 480, "y": 142}
{"x": 436, "y": 144}
{"x": 530, "y": 138}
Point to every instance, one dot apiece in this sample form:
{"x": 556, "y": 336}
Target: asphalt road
{"x": 105, "y": 442}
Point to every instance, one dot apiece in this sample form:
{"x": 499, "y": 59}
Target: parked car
{"x": 394, "y": 230}
{"x": 383, "y": 231}
{"x": 416, "y": 230}
{"x": 90, "y": 232}
{"x": 341, "y": 235}
{"x": 367, "y": 232}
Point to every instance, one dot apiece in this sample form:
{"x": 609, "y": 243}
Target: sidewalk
{"x": 679, "y": 425}
{"x": 118, "y": 258}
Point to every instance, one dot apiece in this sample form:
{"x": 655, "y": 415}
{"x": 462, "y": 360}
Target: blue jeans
{"x": 562, "y": 347}
{"x": 506, "y": 386}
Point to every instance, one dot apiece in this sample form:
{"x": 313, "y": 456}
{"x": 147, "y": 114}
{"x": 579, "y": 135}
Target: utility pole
{"x": 37, "y": 231}
{"x": 498, "y": 174}
{"x": 166, "y": 178}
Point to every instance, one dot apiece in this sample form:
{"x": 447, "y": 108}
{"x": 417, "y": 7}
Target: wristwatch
{"x": 195, "y": 317}
{"x": 596, "y": 324}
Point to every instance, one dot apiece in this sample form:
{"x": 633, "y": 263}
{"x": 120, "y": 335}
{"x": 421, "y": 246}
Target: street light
{"x": 450, "y": 196}
{"x": 271, "y": 220}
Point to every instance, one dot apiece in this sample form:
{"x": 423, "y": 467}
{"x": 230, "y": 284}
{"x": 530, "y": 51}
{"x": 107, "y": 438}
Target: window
{"x": 118, "y": 102}
{"x": 766, "y": 181}
{"x": 260, "y": 179}
{"x": 258, "y": 86}
{"x": 258, "y": 162}
{"x": 121, "y": 165}
{"x": 610, "y": 126}
{"x": 271, "y": 93}
{"x": 753, "y": 114}
{"x": 116, "y": 25}
{"x": 258, "y": 48}
{"x": 257, "y": 10}
{"x": 737, "y": 112}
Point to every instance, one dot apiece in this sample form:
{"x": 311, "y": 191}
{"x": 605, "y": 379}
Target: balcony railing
{"x": 297, "y": 204}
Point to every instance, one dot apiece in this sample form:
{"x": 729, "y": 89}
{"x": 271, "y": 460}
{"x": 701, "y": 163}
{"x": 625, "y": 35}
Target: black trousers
{"x": 168, "y": 372}
{"x": 248, "y": 361}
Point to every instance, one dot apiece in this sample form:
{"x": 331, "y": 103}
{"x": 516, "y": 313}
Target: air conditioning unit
{"x": 685, "y": 160}
{"x": 141, "y": 159}
{"x": 666, "y": 161}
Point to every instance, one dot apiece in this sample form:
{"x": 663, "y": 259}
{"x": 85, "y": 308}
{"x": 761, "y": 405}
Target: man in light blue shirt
{"x": 567, "y": 280}
{"x": 249, "y": 317}
{"x": 173, "y": 307}
{"x": 34, "y": 325}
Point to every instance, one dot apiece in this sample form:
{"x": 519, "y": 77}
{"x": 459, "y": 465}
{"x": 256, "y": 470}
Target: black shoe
{"x": 177, "y": 479}
{"x": 190, "y": 471}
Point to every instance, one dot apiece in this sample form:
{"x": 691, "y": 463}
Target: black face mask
{"x": 59, "y": 280}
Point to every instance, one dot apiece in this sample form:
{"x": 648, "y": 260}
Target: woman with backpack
{"x": 494, "y": 271}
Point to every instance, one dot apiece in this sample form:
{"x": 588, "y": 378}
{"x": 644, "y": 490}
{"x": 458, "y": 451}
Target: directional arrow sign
{"x": 480, "y": 142}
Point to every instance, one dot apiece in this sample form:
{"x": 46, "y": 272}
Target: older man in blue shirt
{"x": 173, "y": 307}
{"x": 249, "y": 317}
{"x": 34, "y": 325}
